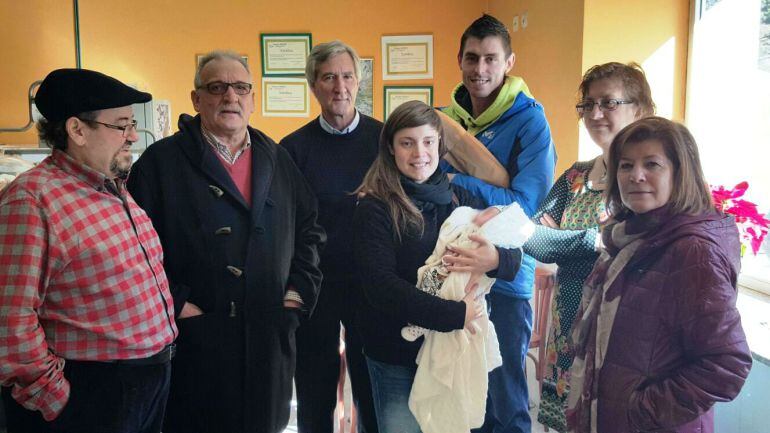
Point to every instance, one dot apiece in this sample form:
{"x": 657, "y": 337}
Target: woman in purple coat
{"x": 658, "y": 340}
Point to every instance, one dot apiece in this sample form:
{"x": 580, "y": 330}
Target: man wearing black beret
{"x": 87, "y": 328}
{"x": 238, "y": 226}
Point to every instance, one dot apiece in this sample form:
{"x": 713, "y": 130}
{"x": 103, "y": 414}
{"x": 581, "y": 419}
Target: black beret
{"x": 68, "y": 92}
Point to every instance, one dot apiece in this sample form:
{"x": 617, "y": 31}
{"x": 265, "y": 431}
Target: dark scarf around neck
{"x": 432, "y": 192}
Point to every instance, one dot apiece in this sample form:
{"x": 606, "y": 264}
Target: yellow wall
{"x": 548, "y": 57}
{"x": 653, "y": 33}
{"x": 37, "y": 37}
{"x": 152, "y": 44}
{"x": 565, "y": 37}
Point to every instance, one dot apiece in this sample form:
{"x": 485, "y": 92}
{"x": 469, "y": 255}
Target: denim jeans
{"x": 508, "y": 397}
{"x": 391, "y": 385}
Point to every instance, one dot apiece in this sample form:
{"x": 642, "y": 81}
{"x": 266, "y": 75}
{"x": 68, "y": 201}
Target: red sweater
{"x": 240, "y": 172}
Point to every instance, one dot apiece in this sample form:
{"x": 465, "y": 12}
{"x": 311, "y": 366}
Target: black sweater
{"x": 334, "y": 166}
{"x": 388, "y": 272}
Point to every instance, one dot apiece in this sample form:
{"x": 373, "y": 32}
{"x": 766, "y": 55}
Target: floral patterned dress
{"x": 579, "y": 209}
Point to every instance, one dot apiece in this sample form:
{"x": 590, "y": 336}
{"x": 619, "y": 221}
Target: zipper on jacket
{"x": 232, "y": 309}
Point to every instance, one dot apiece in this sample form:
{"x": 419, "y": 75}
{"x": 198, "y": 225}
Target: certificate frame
{"x": 365, "y": 97}
{"x": 393, "y": 96}
{"x": 289, "y": 62}
{"x": 292, "y": 87}
{"x": 407, "y": 57}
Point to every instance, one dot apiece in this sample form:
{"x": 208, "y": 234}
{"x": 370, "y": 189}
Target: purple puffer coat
{"x": 677, "y": 345}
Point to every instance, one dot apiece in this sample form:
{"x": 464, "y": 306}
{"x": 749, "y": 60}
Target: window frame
{"x": 748, "y": 279}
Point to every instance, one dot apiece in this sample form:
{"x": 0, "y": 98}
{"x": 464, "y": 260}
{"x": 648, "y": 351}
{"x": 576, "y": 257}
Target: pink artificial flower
{"x": 751, "y": 224}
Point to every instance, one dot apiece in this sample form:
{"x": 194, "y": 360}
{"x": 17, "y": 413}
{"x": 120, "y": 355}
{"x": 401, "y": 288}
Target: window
{"x": 728, "y": 105}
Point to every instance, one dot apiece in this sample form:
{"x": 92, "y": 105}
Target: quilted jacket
{"x": 677, "y": 345}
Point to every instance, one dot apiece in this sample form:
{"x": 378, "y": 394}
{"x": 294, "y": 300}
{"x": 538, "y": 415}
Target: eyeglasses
{"x": 220, "y": 87}
{"x": 125, "y": 129}
{"x": 587, "y": 107}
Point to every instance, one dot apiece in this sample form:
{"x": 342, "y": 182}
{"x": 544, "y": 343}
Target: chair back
{"x": 545, "y": 281}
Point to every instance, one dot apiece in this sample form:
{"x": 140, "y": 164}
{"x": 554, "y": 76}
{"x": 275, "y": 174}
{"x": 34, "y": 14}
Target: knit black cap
{"x": 68, "y": 92}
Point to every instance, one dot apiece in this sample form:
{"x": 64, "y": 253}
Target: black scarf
{"x": 432, "y": 192}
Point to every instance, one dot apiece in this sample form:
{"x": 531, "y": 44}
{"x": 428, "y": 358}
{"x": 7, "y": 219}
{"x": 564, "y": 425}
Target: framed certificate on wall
{"x": 407, "y": 57}
{"x": 397, "y": 95}
{"x": 285, "y": 97}
{"x": 285, "y": 53}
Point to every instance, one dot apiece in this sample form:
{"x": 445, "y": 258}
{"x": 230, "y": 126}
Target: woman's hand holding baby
{"x": 473, "y": 309}
{"x": 481, "y": 259}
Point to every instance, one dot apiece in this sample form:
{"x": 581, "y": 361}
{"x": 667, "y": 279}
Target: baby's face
{"x": 485, "y": 215}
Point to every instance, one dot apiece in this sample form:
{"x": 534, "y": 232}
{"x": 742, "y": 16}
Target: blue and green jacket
{"x": 514, "y": 129}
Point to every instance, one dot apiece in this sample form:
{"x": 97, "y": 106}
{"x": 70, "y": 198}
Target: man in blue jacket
{"x": 501, "y": 113}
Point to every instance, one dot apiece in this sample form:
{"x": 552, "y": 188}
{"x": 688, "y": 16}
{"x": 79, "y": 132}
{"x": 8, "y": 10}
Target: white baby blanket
{"x": 450, "y": 388}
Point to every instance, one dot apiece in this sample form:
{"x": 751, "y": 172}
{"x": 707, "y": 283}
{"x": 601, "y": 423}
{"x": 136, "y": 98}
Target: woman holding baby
{"x": 406, "y": 198}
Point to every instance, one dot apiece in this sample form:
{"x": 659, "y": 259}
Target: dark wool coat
{"x": 677, "y": 345}
{"x": 234, "y": 365}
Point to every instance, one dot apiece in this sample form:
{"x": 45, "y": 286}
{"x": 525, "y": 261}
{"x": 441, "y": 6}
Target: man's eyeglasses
{"x": 220, "y": 87}
{"x": 125, "y": 129}
{"x": 587, "y": 107}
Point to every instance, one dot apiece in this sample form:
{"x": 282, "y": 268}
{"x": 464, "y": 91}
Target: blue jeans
{"x": 508, "y": 397}
{"x": 391, "y": 385}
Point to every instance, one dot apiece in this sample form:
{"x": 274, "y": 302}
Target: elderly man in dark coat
{"x": 238, "y": 226}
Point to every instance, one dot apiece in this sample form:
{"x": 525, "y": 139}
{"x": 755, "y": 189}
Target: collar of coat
{"x": 512, "y": 87}
{"x": 201, "y": 155}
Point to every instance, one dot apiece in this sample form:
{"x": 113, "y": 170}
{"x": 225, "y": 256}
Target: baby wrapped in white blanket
{"x": 450, "y": 388}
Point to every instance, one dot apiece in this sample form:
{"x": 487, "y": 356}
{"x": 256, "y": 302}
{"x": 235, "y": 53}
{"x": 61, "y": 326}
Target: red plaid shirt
{"x": 79, "y": 279}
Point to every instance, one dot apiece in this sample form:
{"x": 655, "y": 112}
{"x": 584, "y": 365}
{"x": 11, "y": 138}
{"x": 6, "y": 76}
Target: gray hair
{"x": 217, "y": 55}
{"x": 322, "y": 52}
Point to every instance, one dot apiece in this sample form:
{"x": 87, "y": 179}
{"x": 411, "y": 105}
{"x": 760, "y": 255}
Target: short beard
{"x": 120, "y": 172}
